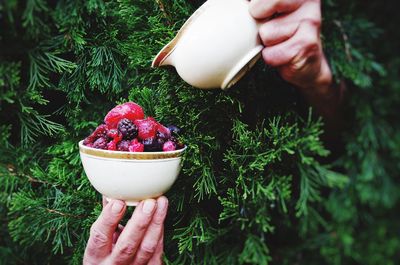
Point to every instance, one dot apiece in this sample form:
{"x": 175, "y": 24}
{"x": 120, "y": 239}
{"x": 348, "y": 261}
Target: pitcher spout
{"x": 165, "y": 56}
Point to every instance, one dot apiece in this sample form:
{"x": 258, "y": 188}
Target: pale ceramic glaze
{"x": 216, "y": 46}
{"x": 130, "y": 177}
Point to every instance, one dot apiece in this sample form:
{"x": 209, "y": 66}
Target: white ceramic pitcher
{"x": 216, "y": 46}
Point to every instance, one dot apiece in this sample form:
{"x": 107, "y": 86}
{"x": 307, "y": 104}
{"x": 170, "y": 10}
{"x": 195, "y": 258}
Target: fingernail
{"x": 117, "y": 207}
{"x": 162, "y": 203}
{"x": 148, "y": 206}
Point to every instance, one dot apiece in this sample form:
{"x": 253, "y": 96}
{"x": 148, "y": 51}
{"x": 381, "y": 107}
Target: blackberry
{"x": 123, "y": 145}
{"x": 100, "y": 143}
{"x": 128, "y": 129}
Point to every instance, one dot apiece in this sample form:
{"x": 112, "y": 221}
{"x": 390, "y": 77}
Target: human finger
{"x": 117, "y": 233}
{"x": 129, "y": 241}
{"x": 104, "y": 201}
{"x": 305, "y": 43}
{"x": 274, "y": 32}
{"x": 101, "y": 233}
{"x": 153, "y": 234}
{"x": 261, "y": 9}
{"x": 158, "y": 254}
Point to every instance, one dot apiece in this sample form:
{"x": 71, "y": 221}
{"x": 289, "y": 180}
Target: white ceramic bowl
{"x": 216, "y": 46}
{"x": 128, "y": 176}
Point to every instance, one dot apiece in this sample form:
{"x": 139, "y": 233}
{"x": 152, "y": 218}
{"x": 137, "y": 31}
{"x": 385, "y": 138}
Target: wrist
{"x": 322, "y": 85}
{"x": 324, "y": 94}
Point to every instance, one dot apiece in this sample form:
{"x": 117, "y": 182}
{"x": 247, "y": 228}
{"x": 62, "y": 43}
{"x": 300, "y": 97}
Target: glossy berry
{"x": 169, "y": 146}
{"x": 160, "y": 142}
{"x": 100, "y": 131}
{"x": 152, "y": 119}
{"x": 112, "y": 146}
{"x": 129, "y": 110}
{"x": 123, "y": 145}
{"x": 88, "y": 144}
{"x": 128, "y": 129}
{"x": 152, "y": 145}
{"x": 113, "y": 133}
{"x": 147, "y": 128}
{"x": 174, "y": 129}
{"x": 135, "y": 146}
{"x": 115, "y": 137}
{"x": 163, "y": 132}
{"x": 100, "y": 143}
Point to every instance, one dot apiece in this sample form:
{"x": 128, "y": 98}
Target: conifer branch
{"x": 346, "y": 42}
{"x": 64, "y": 214}
{"x": 33, "y": 180}
{"x": 162, "y": 8}
{"x": 250, "y": 191}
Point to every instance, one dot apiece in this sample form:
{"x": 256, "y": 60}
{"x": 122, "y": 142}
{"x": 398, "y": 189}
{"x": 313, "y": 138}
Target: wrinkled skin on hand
{"x": 139, "y": 242}
{"x": 291, "y": 35}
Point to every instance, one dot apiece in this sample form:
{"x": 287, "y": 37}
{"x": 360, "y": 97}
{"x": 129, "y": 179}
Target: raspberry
{"x": 129, "y": 110}
{"x": 128, "y": 129}
{"x": 147, "y": 128}
{"x": 152, "y": 119}
{"x": 169, "y": 146}
{"x": 112, "y": 146}
{"x": 113, "y": 133}
{"x": 100, "y": 131}
{"x": 100, "y": 143}
{"x": 87, "y": 142}
{"x": 116, "y": 137}
{"x": 123, "y": 145}
{"x": 136, "y": 146}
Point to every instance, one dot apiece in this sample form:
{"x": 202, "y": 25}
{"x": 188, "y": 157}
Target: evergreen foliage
{"x": 258, "y": 185}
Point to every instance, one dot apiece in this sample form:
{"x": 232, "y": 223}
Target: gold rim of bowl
{"x": 129, "y": 155}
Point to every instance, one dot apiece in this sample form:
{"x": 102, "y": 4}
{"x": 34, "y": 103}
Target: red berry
{"x": 129, "y": 110}
{"x": 152, "y": 119}
{"x": 136, "y": 146}
{"x": 163, "y": 132}
{"x": 116, "y": 138}
{"x": 100, "y": 131}
{"x": 147, "y": 128}
{"x": 88, "y": 142}
{"x": 112, "y": 146}
{"x": 113, "y": 133}
{"x": 169, "y": 146}
{"x": 100, "y": 143}
{"x": 123, "y": 145}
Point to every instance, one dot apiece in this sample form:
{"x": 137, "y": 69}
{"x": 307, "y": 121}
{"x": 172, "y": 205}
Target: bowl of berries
{"x": 130, "y": 157}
